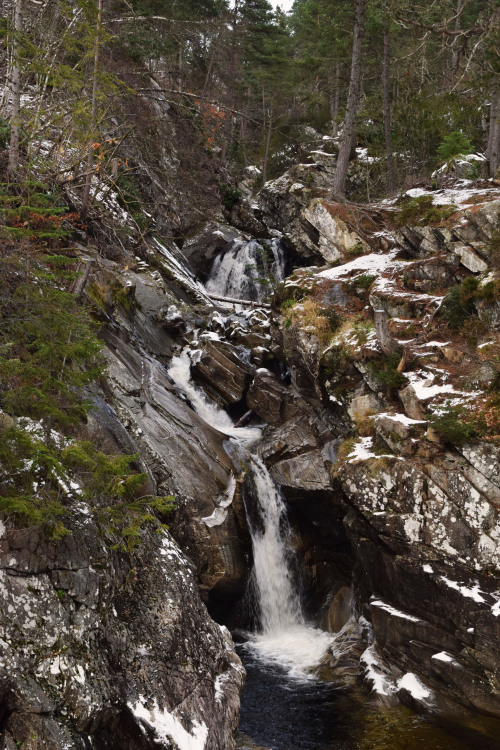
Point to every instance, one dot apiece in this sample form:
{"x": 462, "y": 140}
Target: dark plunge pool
{"x": 284, "y": 713}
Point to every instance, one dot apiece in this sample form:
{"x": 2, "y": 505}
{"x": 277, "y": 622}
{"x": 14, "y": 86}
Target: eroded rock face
{"x": 421, "y": 515}
{"x": 109, "y": 650}
{"x": 221, "y": 368}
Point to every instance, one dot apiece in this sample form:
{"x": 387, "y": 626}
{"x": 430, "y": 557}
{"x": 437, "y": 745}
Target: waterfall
{"x": 248, "y": 270}
{"x": 285, "y": 637}
{"x": 206, "y": 408}
{"x": 279, "y": 606}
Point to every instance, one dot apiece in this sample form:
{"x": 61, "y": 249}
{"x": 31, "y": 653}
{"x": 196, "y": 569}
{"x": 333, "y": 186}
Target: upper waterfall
{"x": 248, "y": 270}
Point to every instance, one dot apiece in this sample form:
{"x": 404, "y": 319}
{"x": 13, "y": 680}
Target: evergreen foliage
{"x": 49, "y": 358}
{"x": 454, "y": 144}
{"x": 254, "y": 77}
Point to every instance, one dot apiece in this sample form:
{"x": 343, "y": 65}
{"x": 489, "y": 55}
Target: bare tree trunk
{"x": 93, "y": 114}
{"x": 335, "y": 102}
{"x": 493, "y": 148}
{"x": 387, "y": 342}
{"x": 15, "y": 91}
{"x": 268, "y": 144}
{"x": 391, "y": 174}
{"x": 352, "y": 101}
{"x": 455, "y": 55}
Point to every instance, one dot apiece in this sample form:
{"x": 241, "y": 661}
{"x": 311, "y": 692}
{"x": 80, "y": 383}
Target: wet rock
{"x": 221, "y": 367}
{"x": 266, "y": 396}
{"x": 171, "y": 318}
{"x": 340, "y": 609}
{"x": 184, "y": 455}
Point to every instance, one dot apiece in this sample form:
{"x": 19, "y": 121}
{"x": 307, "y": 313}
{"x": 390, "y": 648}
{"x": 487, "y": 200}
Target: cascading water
{"x": 285, "y": 637}
{"x": 282, "y": 706}
{"x": 248, "y": 270}
{"x": 208, "y": 410}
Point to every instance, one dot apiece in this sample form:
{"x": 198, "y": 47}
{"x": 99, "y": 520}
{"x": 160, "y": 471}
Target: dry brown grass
{"x": 308, "y": 315}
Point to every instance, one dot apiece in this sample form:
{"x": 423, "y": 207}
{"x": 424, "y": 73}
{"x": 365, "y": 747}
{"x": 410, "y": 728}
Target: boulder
{"x": 266, "y": 396}
{"x": 220, "y": 366}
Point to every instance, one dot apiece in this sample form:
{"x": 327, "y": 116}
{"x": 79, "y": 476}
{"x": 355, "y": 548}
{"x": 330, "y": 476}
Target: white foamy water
{"x": 248, "y": 270}
{"x": 207, "y": 409}
{"x": 285, "y": 639}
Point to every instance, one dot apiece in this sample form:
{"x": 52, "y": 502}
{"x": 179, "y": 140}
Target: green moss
{"x": 420, "y": 211}
{"x": 385, "y": 371}
{"x": 123, "y": 296}
{"x": 451, "y": 426}
{"x": 364, "y": 281}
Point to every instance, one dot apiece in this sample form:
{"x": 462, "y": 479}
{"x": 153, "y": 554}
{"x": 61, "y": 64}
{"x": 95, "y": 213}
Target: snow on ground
{"x": 363, "y": 450}
{"x": 460, "y": 194}
{"x": 168, "y": 728}
{"x": 425, "y": 388}
{"x": 401, "y": 418}
{"x": 474, "y": 592}
{"x": 375, "y": 263}
{"x": 414, "y": 686}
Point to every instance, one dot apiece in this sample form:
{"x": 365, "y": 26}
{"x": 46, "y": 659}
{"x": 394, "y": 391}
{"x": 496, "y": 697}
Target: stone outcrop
{"x": 106, "y": 649}
{"x": 421, "y": 515}
{"x": 109, "y": 649}
{"x": 221, "y": 368}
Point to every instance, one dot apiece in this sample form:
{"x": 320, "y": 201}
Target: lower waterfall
{"x": 284, "y": 638}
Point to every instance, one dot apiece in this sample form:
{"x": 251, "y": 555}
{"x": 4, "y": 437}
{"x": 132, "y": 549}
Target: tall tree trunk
{"x": 93, "y": 113}
{"x": 493, "y": 151}
{"x": 268, "y": 144}
{"x": 455, "y": 55}
{"x": 335, "y": 102}
{"x": 15, "y": 90}
{"x": 391, "y": 174}
{"x": 352, "y": 101}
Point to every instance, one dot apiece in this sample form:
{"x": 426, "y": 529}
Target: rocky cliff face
{"x": 419, "y": 501}
{"x": 108, "y": 650}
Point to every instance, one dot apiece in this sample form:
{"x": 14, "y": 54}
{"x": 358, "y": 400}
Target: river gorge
{"x": 327, "y": 541}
